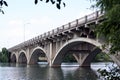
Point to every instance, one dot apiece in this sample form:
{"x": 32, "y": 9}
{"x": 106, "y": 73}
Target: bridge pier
{"x": 80, "y": 58}
{"x": 50, "y": 64}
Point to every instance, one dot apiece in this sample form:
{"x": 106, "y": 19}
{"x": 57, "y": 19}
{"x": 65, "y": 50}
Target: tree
{"x": 101, "y": 57}
{"x": 0, "y": 56}
{"x": 4, "y": 55}
{"x": 110, "y": 28}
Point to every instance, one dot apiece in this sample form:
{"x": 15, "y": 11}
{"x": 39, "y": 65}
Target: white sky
{"x": 41, "y": 18}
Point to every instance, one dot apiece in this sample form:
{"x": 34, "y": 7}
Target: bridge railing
{"x": 55, "y": 31}
{"x": 66, "y": 26}
{"x": 92, "y": 16}
{"x": 73, "y": 24}
{"x": 81, "y": 20}
{"x": 100, "y": 13}
{"x": 51, "y": 32}
{"x": 61, "y": 29}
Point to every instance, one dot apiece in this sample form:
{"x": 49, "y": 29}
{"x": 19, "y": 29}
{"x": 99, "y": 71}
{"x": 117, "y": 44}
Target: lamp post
{"x": 24, "y": 30}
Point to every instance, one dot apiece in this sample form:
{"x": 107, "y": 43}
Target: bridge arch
{"x": 36, "y": 53}
{"x": 13, "y": 58}
{"x": 63, "y": 50}
{"x": 22, "y": 58}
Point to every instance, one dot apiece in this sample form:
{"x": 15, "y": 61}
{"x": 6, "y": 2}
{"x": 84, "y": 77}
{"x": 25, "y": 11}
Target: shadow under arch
{"x": 22, "y": 58}
{"x": 13, "y": 58}
{"x": 90, "y": 57}
{"x": 65, "y": 48}
{"x": 38, "y": 54}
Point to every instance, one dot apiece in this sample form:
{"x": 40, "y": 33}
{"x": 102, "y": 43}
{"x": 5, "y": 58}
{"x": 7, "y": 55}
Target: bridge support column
{"x": 80, "y": 58}
{"x": 28, "y": 55}
{"x": 50, "y": 60}
{"x": 84, "y": 59}
{"x": 17, "y": 56}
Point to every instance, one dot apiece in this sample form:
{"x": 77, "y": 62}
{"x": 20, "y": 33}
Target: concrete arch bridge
{"x": 77, "y": 38}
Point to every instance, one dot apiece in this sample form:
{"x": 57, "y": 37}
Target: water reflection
{"x": 43, "y": 72}
{"x": 84, "y": 74}
{"x": 55, "y": 74}
{"x": 79, "y": 73}
{"x": 35, "y": 72}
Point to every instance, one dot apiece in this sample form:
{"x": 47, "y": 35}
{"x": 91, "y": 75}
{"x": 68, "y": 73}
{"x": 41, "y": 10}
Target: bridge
{"x": 76, "y": 38}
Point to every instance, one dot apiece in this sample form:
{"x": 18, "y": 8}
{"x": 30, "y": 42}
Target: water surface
{"x": 69, "y": 71}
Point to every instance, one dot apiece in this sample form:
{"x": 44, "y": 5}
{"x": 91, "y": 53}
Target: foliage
{"x": 4, "y": 55}
{"x": 101, "y": 57}
{"x": 112, "y": 74}
{"x": 57, "y": 2}
{"x": 69, "y": 58}
{"x": 2, "y": 3}
{"x": 110, "y": 28}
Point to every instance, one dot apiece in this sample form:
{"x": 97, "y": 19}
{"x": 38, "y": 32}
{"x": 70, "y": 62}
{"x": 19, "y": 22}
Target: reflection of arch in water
{"x": 36, "y": 72}
{"x": 22, "y": 58}
{"x": 44, "y": 73}
{"x": 36, "y": 54}
{"x": 55, "y": 74}
{"x": 84, "y": 74}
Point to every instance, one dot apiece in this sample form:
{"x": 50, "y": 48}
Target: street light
{"x": 24, "y": 30}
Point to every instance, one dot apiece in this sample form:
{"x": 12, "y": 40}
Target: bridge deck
{"x": 60, "y": 30}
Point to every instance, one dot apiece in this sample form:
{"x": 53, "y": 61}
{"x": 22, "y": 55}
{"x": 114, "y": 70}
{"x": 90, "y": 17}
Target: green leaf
{"x": 47, "y": 1}
{"x": 64, "y": 4}
{"x": 36, "y": 1}
{"x": 3, "y": 12}
{"x": 52, "y": 1}
{"x": 58, "y": 6}
{"x": 5, "y": 3}
{"x": 1, "y": 3}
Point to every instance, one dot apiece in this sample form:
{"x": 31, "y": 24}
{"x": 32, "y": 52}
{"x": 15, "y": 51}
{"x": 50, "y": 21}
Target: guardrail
{"x": 61, "y": 29}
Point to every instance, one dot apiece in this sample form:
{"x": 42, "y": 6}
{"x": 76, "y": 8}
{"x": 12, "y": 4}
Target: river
{"x": 68, "y": 71}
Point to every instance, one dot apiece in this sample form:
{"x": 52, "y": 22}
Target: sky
{"x": 24, "y": 20}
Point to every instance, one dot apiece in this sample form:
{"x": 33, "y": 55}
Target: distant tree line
{"x": 102, "y": 57}
{"x": 69, "y": 58}
{"x": 4, "y": 56}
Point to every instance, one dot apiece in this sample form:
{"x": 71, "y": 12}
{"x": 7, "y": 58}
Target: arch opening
{"x": 69, "y": 59}
{"x": 38, "y": 57}
{"x": 13, "y": 59}
{"x": 22, "y": 59}
{"x": 83, "y": 51}
{"x": 102, "y": 57}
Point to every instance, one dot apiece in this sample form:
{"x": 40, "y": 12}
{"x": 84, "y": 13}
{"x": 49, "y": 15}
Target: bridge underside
{"x": 37, "y": 56}
{"x": 13, "y": 59}
{"x": 22, "y": 58}
{"x": 83, "y": 52}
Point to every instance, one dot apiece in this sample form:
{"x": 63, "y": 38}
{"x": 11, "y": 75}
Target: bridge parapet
{"x": 67, "y": 27}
